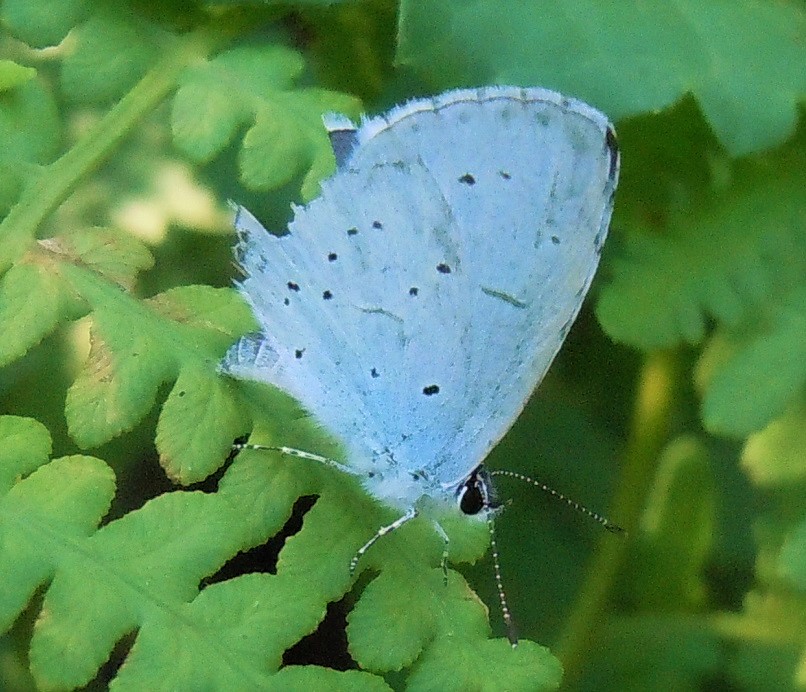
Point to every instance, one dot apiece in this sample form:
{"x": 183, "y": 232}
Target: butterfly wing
{"x": 414, "y": 306}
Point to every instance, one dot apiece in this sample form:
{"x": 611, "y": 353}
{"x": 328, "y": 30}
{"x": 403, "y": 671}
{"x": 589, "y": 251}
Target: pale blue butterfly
{"x": 416, "y": 304}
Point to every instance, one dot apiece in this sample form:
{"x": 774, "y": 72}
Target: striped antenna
{"x": 603, "y": 521}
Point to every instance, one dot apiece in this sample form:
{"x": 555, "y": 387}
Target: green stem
{"x": 649, "y": 429}
{"x": 58, "y": 179}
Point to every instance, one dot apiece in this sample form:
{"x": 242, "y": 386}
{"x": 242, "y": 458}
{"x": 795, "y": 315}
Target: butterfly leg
{"x": 300, "y": 454}
{"x": 408, "y": 516}
{"x": 446, "y": 542}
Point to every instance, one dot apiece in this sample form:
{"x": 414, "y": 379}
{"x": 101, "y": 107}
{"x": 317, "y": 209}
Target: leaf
{"x": 792, "y": 560}
{"x": 26, "y": 446}
{"x": 748, "y": 379}
{"x": 665, "y": 287}
{"x": 306, "y": 678}
{"x": 118, "y": 384}
{"x": 194, "y": 452}
{"x": 399, "y": 613}
{"x": 30, "y": 129}
{"x": 112, "y": 51}
{"x": 31, "y": 305}
{"x": 600, "y": 52}
{"x": 180, "y": 334}
{"x": 13, "y": 75}
{"x": 776, "y": 455}
{"x": 141, "y": 572}
{"x": 115, "y": 255}
{"x": 253, "y": 87}
{"x": 42, "y": 517}
{"x": 41, "y": 23}
{"x": 486, "y": 665}
{"x": 34, "y": 296}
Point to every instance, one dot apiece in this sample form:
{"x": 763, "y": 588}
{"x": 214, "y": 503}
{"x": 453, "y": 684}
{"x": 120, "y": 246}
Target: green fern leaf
{"x": 253, "y": 86}
{"x": 44, "y": 516}
{"x": 31, "y": 305}
{"x": 141, "y": 573}
{"x": 41, "y": 23}
{"x": 181, "y": 334}
{"x": 34, "y": 296}
{"x": 775, "y": 455}
{"x": 485, "y": 665}
{"x": 13, "y": 75}
{"x": 30, "y": 130}
{"x": 665, "y": 288}
{"x": 749, "y": 377}
{"x": 206, "y": 399}
{"x": 600, "y": 52}
{"x": 112, "y": 51}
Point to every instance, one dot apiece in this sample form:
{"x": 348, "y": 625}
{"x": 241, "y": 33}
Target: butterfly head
{"x": 476, "y": 494}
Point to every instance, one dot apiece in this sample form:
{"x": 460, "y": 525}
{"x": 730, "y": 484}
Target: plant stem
{"x": 649, "y": 429}
{"x": 57, "y": 180}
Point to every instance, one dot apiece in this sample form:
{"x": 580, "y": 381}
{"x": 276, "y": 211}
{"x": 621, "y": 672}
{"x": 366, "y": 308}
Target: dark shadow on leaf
{"x": 263, "y": 558}
{"x": 109, "y": 670}
{"x": 327, "y": 645}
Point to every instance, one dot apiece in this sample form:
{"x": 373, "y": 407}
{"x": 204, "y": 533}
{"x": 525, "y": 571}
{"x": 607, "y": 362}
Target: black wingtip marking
{"x": 342, "y": 141}
{"x": 612, "y": 146}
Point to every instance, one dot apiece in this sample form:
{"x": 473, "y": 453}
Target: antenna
{"x": 489, "y": 510}
{"x": 598, "y": 518}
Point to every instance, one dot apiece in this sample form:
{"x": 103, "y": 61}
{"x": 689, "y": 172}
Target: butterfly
{"x": 414, "y": 306}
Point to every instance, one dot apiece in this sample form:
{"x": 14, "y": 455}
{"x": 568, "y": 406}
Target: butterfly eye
{"x": 470, "y": 496}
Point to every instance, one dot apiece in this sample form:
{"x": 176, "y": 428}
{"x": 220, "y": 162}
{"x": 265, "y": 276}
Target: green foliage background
{"x": 134, "y": 553}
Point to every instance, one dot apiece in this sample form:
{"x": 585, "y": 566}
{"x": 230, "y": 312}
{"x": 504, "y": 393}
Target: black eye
{"x": 471, "y": 499}
{"x": 476, "y": 493}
